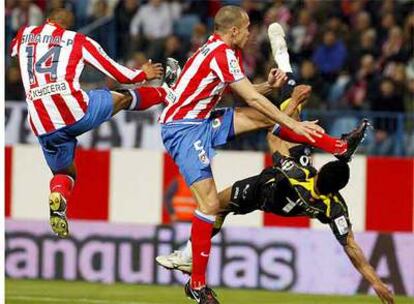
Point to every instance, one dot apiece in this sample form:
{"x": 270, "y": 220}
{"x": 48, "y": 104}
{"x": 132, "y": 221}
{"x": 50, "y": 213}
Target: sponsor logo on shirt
{"x": 49, "y": 90}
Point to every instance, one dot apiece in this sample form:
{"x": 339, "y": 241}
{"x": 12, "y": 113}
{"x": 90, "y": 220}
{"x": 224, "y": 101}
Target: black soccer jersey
{"x": 287, "y": 189}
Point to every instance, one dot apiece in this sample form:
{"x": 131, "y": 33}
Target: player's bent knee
{"x": 211, "y": 207}
{"x": 121, "y": 99}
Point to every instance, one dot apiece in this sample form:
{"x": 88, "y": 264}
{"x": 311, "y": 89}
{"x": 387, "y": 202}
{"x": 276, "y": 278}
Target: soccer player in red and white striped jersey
{"x": 191, "y": 129}
{"x": 51, "y": 61}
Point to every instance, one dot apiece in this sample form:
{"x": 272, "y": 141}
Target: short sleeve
{"x": 340, "y": 223}
{"x": 227, "y": 66}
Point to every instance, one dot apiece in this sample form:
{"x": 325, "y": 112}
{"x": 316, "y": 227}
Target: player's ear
{"x": 234, "y": 31}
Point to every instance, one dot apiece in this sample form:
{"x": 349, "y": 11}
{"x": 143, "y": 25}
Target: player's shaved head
{"x": 229, "y": 16}
{"x": 62, "y": 16}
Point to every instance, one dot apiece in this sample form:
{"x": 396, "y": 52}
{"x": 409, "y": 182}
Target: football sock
{"x": 146, "y": 97}
{"x": 326, "y": 143}
{"x": 62, "y": 184}
{"x": 283, "y": 61}
{"x": 201, "y": 245}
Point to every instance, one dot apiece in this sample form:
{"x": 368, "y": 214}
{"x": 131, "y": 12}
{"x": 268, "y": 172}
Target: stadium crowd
{"x": 356, "y": 54}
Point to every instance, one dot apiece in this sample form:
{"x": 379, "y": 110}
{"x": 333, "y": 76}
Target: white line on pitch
{"x": 77, "y": 300}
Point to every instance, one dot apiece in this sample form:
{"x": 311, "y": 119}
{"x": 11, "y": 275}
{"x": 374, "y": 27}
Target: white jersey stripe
{"x": 198, "y": 108}
{"x": 205, "y": 82}
{"x": 35, "y": 118}
{"x": 186, "y": 78}
{"x": 215, "y": 67}
{"x": 70, "y": 100}
{"x": 194, "y": 68}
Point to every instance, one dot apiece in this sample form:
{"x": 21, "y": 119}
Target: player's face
{"x": 243, "y": 34}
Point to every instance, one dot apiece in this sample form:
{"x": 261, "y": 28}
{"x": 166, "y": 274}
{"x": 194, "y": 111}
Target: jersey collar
{"x": 48, "y": 21}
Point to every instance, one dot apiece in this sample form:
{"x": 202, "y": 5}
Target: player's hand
{"x": 309, "y": 129}
{"x": 384, "y": 293}
{"x": 152, "y": 70}
{"x": 301, "y": 93}
{"x": 277, "y": 78}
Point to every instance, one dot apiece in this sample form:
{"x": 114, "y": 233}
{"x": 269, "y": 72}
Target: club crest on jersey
{"x": 202, "y": 155}
{"x": 287, "y": 165}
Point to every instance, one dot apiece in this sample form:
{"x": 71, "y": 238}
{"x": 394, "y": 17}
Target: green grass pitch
{"x": 61, "y": 292}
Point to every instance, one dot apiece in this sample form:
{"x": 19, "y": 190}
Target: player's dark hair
{"x": 332, "y": 177}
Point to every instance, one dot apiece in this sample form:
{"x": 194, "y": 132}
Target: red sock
{"x": 63, "y": 184}
{"x": 146, "y": 97}
{"x": 201, "y": 244}
{"x": 326, "y": 143}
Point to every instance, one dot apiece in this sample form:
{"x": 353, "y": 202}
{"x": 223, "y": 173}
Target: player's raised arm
{"x": 275, "y": 80}
{"x": 94, "y": 54}
{"x": 359, "y": 261}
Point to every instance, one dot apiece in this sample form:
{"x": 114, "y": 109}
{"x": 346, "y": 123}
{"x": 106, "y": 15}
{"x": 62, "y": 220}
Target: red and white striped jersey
{"x": 202, "y": 82}
{"x": 51, "y": 61}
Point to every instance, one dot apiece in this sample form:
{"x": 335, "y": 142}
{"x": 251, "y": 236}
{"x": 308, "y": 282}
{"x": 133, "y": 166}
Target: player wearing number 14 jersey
{"x": 51, "y": 61}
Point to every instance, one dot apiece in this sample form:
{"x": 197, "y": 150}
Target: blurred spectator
{"x": 392, "y": 48}
{"x": 55, "y": 4}
{"x": 409, "y": 29}
{"x": 173, "y": 49}
{"x": 123, "y": 14}
{"x": 198, "y": 38}
{"x": 14, "y": 89}
{"x": 251, "y": 49}
{"x": 366, "y": 46}
{"x": 302, "y": 36}
{"x": 103, "y": 27}
{"x": 137, "y": 60}
{"x": 329, "y": 56}
{"x": 387, "y": 22}
{"x": 309, "y": 76}
{"x": 335, "y": 24}
{"x": 363, "y": 86}
{"x": 252, "y": 9}
{"x": 152, "y": 24}
{"x": 278, "y": 12}
{"x": 361, "y": 24}
{"x": 387, "y": 100}
{"x": 25, "y": 13}
{"x": 9, "y": 32}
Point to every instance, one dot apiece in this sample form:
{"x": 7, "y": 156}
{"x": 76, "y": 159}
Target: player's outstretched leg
{"x": 278, "y": 44}
{"x": 342, "y": 148}
{"x": 143, "y": 98}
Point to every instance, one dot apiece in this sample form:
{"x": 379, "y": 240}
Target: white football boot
{"x": 176, "y": 260}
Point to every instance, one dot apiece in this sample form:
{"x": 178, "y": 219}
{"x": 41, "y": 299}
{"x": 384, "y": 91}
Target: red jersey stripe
{"x": 74, "y": 59}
